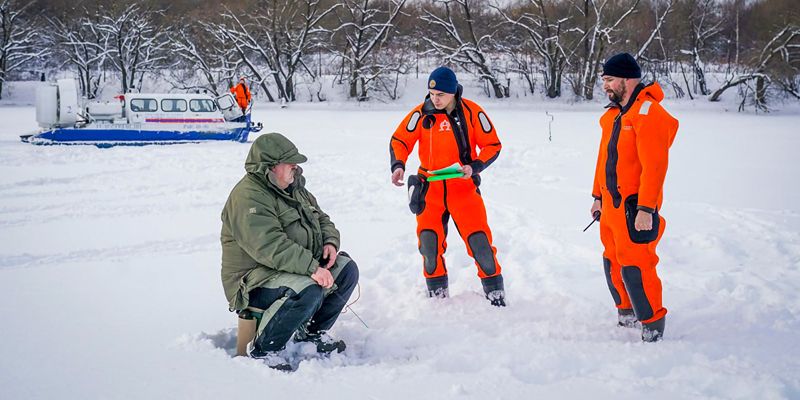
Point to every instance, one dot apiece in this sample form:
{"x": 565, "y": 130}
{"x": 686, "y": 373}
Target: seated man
{"x": 280, "y": 254}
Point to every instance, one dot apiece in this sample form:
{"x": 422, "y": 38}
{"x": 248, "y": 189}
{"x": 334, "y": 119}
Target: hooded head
{"x": 269, "y": 150}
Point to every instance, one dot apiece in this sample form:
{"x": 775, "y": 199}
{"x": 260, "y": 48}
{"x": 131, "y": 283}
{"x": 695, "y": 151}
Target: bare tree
{"x": 137, "y": 44}
{"x": 704, "y": 23}
{"x": 277, "y": 36}
{"x": 248, "y": 50}
{"x": 784, "y": 46}
{"x": 655, "y": 34}
{"x": 397, "y": 66}
{"x": 212, "y": 59}
{"x": 461, "y": 43}
{"x": 20, "y": 40}
{"x": 82, "y": 46}
{"x": 547, "y": 29}
{"x": 596, "y": 36}
{"x": 657, "y": 62}
{"x": 365, "y": 27}
{"x": 524, "y": 64}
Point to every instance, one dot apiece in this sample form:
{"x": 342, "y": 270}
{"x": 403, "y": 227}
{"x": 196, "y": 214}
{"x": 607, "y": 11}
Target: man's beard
{"x": 615, "y": 96}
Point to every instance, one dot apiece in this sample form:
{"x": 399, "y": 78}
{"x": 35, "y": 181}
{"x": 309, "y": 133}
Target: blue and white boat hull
{"x": 107, "y": 134}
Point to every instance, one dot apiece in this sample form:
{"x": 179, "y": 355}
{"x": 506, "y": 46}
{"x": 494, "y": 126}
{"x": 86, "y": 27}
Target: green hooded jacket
{"x": 267, "y": 230}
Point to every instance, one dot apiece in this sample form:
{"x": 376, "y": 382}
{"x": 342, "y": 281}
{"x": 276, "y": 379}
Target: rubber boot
{"x": 324, "y": 342}
{"x": 272, "y": 359}
{"x": 437, "y": 287}
{"x": 494, "y": 290}
{"x": 626, "y": 318}
{"x": 653, "y": 331}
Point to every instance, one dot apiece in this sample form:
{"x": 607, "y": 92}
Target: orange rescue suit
{"x": 629, "y": 177}
{"x": 445, "y": 139}
{"x": 242, "y": 93}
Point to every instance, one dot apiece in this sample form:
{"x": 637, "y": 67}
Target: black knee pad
{"x": 482, "y": 251}
{"x": 611, "y": 288}
{"x": 632, "y": 276}
{"x": 428, "y": 247}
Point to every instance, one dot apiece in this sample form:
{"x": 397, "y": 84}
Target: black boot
{"x": 324, "y": 342}
{"x": 273, "y": 359}
{"x": 494, "y": 290}
{"x": 437, "y": 287}
{"x": 654, "y": 331}
{"x": 626, "y": 318}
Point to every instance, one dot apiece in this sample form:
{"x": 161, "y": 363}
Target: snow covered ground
{"x": 110, "y": 288}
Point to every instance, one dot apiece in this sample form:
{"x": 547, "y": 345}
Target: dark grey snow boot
{"x": 626, "y": 318}
{"x": 494, "y": 290}
{"x": 654, "y": 331}
{"x": 273, "y": 359}
{"x": 324, "y": 342}
{"x": 437, "y": 287}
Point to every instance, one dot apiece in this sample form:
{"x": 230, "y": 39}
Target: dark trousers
{"x": 309, "y": 306}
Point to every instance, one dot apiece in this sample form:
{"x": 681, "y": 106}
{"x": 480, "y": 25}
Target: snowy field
{"x": 110, "y": 283}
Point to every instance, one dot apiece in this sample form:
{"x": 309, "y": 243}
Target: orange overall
{"x": 629, "y": 177}
{"x": 445, "y": 139}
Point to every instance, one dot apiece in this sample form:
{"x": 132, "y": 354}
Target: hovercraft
{"x": 136, "y": 118}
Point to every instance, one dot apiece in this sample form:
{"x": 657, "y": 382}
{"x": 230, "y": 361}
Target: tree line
{"x": 368, "y": 47}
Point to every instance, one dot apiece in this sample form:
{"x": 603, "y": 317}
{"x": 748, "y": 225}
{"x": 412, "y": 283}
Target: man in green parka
{"x": 280, "y": 253}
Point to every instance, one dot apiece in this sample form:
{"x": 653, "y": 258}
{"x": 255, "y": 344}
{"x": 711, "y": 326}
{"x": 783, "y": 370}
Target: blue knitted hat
{"x": 622, "y": 65}
{"x": 443, "y": 79}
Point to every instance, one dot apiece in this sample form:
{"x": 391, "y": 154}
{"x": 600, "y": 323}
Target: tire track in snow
{"x": 111, "y": 254}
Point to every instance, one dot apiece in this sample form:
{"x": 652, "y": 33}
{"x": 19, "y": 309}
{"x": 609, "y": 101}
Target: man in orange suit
{"x": 628, "y": 191}
{"x": 243, "y": 95}
{"x": 449, "y": 128}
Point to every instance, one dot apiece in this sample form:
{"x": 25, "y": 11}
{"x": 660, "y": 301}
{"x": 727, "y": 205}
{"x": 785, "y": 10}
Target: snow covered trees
{"x": 364, "y": 27}
{"x": 20, "y": 40}
{"x": 602, "y": 22}
{"x": 271, "y": 42}
{"x": 543, "y": 25}
{"x": 568, "y": 36}
{"x": 463, "y": 35}
{"x": 702, "y": 25}
{"x": 779, "y": 58}
{"x": 199, "y": 54}
{"x": 83, "y": 46}
{"x": 367, "y": 49}
{"x": 137, "y": 43}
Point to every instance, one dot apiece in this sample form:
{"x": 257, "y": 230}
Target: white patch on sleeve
{"x": 645, "y": 108}
{"x": 412, "y": 122}
{"x": 252, "y": 210}
{"x": 485, "y": 124}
